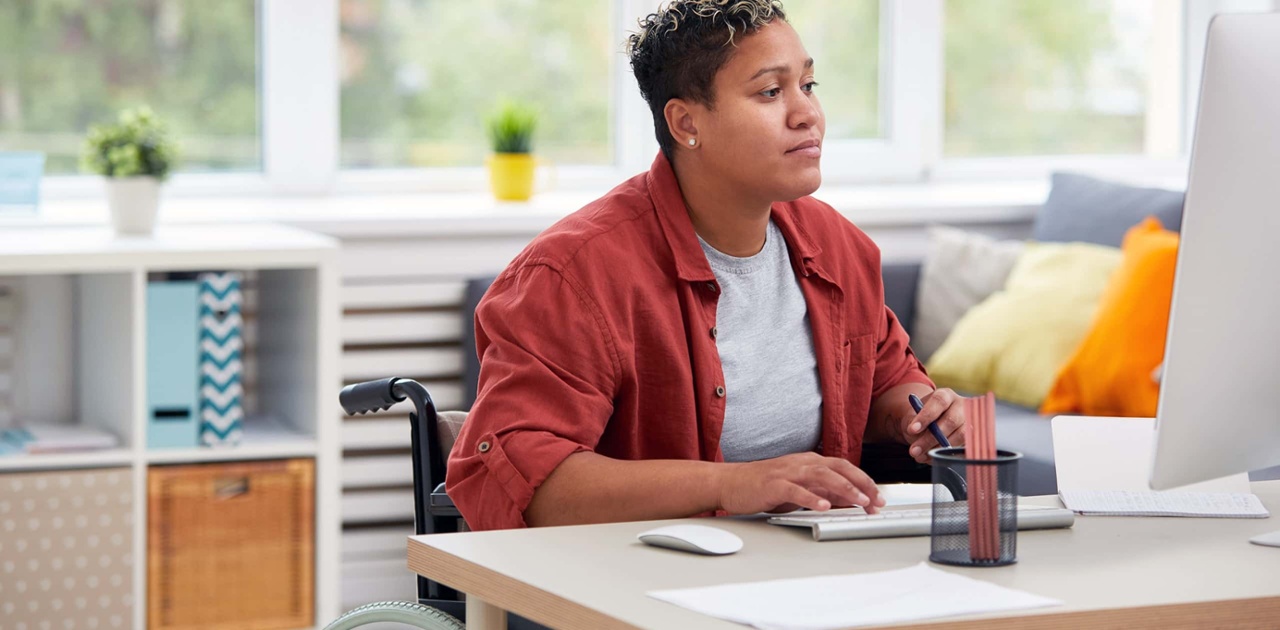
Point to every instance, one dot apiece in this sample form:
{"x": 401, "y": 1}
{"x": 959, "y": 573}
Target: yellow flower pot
{"x": 511, "y": 175}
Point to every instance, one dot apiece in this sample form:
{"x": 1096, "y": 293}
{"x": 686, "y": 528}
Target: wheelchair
{"x": 438, "y": 607}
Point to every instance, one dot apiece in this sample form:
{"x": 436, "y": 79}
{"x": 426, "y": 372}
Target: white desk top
{"x": 596, "y": 576}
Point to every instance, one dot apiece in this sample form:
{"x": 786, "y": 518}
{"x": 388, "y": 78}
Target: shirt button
{"x": 711, "y": 286}
{"x": 713, "y": 332}
{"x": 719, "y": 391}
{"x": 483, "y": 447}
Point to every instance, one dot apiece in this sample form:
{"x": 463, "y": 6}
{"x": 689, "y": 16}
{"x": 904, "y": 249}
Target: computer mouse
{"x": 701, "y": 539}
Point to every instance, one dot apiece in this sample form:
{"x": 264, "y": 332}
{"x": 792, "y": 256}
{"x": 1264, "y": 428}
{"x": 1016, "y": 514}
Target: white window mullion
{"x": 635, "y": 143}
{"x": 910, "y": 87}
{"x": 915, "y": 119}
{"x": 300, "y": 94}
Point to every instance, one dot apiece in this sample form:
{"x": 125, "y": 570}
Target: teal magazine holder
{"x": 20, "y": 174}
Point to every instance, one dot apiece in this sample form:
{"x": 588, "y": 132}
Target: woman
{"x": 706, "y": 338}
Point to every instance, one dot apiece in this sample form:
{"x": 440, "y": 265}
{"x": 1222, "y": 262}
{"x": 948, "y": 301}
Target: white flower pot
{"x": 134, "y": 203}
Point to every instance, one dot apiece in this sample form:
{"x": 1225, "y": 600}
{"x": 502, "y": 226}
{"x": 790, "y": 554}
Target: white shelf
{"x": 264, "y": 439}
{"x": 84, "y": 292}
{"x": 260, "y": 442}
{"x": 171, "y": 248}
{"x": 243, "y": 452}
{"x": 88, "y": 459}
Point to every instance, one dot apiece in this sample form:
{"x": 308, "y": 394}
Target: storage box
{"x": 66, "y": 549}
{"x": 231, "y": 545}
{"x": 172, "y": 370}
{"x": 221, "y": 365}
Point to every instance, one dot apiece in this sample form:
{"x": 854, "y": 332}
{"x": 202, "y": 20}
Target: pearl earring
{"x": 693, "y": 141}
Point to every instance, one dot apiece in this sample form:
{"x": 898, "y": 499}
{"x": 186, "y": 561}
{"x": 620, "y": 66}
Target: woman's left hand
{"x": 943, "y": 405}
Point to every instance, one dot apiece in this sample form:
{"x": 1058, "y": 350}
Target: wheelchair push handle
{"x": 374, "y": 396}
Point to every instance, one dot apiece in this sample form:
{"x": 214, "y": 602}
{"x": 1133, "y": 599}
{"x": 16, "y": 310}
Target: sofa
{"x": 1017, "y": 428}
{"x": 1079, "y": 209}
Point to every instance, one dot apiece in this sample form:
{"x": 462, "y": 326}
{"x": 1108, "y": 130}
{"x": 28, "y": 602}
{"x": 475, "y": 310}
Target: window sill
{"x": 478, "y": 214}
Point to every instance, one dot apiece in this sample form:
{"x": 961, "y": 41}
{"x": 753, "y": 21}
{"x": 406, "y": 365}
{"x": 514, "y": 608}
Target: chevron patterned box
{"x": 221, "y": 366}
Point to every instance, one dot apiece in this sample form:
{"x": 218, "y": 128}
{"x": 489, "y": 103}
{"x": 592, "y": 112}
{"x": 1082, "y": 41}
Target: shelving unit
{"x": 89, "y": 368}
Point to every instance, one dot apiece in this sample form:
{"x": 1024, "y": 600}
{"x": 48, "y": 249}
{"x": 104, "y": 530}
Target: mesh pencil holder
{"x": 975, "y": 509}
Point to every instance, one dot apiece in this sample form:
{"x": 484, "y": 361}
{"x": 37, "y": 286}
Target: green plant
{"x": 511, "y": 127}
{"x": 138, "y": 144}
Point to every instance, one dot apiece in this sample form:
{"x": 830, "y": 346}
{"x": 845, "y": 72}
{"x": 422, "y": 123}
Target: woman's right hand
{"x": 794, "y": 481}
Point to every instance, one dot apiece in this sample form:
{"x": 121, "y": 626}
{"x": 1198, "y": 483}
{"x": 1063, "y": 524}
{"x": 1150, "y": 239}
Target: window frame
{"x": 299, "y": 96}
{"x": 631, "y": 131}
{"x": 1171, "y": 171}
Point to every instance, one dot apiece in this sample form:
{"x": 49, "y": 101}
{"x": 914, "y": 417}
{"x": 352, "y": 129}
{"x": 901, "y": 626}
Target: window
{"x": 419, "y": 76}
{"x": 66, "y": 65}
{"x": 843, "y": 36}
{"x": 1045, "y": 77}
{"x": 349, "y": 96}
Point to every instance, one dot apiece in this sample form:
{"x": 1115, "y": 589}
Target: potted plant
{"x": 135, "y": 154}
{"x": 511, "y": 166}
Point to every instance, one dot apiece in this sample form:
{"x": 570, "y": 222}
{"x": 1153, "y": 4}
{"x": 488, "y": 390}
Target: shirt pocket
{"x": 859, "y": 350}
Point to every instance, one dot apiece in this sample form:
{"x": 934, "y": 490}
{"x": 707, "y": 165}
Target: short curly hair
{"x": 680, "y": 48}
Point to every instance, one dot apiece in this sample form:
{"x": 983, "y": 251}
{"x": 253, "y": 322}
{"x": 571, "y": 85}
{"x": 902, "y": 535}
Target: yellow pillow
{"x": 1015, "y": 341}
{"x": 1110, "y": 373}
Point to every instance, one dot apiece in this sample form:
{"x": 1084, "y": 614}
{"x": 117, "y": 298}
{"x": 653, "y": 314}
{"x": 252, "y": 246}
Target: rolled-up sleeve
{"x": 895, "y": 362}
{"x": 548, "y": 372}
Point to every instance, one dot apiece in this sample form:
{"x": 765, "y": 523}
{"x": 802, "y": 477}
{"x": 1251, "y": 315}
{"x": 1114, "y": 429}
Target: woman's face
{"x": 765, "y": 133}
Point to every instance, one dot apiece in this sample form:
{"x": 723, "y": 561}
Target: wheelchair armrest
{"x": 441, "y": 504}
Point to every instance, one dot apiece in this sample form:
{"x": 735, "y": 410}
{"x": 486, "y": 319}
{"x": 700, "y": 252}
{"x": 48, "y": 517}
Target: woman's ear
{"x": 680, "y": 121}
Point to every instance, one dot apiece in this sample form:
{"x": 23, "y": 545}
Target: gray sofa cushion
{"x": 1027, "y": 432}
{"x": 900, "y": 279}
{"x": 1081, "y": 208}
{"x": 475, "y": 290}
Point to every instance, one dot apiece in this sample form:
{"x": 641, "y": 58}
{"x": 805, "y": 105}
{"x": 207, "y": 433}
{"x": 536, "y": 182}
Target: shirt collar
{"x": 673, "y": 216}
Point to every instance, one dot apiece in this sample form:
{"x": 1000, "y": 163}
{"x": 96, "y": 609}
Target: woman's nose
{"x": 804, "y": 112}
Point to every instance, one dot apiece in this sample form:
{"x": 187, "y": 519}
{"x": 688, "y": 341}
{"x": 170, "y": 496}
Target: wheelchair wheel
{"x": 410, "y": 614}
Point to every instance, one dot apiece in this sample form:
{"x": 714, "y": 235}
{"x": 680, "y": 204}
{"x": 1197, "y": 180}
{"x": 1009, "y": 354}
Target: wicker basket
{"x": 231, "y": 545}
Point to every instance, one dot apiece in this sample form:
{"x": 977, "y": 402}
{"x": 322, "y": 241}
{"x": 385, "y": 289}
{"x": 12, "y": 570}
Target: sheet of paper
{"x": 1175, "y": 503}
{"x": 907, "y": 493}
{"x": 1093, "y": 453}
{"x": 843, "y": 601}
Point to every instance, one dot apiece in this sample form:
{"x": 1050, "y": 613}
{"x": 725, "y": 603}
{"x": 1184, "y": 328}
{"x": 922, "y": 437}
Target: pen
{"x": 933, "y": 426}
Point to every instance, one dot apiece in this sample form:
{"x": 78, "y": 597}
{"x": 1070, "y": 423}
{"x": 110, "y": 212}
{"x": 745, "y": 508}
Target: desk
{"x": 1110, "y": 571}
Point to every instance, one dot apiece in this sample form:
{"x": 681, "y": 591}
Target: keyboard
{"x": 894, "y": 523}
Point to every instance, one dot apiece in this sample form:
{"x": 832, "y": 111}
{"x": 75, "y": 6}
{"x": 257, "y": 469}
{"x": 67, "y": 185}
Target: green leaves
{"x": 511, "y": 127}
{"x": 137, "y": 145}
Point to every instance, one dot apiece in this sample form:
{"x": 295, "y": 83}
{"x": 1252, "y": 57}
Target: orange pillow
{"x": 1110, "y": 373}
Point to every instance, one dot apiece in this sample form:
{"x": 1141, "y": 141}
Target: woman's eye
{"x": 771, "y": 93}
{"x": 808, "y": 87}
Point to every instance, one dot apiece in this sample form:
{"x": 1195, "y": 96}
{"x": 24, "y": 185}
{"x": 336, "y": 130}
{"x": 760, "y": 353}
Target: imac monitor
{"x": 1219, "y": 409}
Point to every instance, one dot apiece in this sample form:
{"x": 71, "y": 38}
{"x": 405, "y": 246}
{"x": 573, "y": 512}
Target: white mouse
{"x": 701, "y": 539}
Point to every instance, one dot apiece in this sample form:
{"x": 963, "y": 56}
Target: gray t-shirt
{"x": 773, "y": 405}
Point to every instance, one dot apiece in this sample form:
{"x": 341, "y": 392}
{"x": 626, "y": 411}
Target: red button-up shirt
{"x": 599, "y": 337}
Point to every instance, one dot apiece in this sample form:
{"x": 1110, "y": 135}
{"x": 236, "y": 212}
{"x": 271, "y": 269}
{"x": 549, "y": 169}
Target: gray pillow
{"x": 960, "y": 270}
{"x": 1081, "y": 208}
